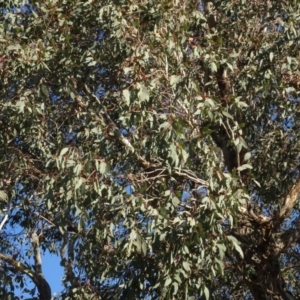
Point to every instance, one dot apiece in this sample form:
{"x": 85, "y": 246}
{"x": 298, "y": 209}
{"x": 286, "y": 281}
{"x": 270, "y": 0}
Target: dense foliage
{"x": 153, "y": 146}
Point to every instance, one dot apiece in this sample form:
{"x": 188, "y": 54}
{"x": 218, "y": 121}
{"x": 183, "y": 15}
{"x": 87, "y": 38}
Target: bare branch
{"x": 17, "y": 266}
{"x": 3, "y": 221}
{"x": 287, "y": 205}
{"x": 41, "y": 283}
{"x": 39, "y": 278}
{"x": 258, "y": 218}
{"x": 67, "y": 262}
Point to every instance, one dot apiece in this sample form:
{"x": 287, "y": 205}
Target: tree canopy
{"x": 153, "y": 146}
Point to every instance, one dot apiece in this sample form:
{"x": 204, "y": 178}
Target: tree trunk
{"x": 265, "y": 281}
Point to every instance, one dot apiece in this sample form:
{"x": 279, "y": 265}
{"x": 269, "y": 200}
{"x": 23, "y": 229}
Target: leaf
{"x": 21, "y": 105}
{"x": 168, "y": 282}
{"x": 164, "y": 125}
{"x": 79, "y": 182}
{"x": 220, "y": 266}
{"x": 175, "y": 201}
{"x": 244, "y": 167}
{"x": 77, "y": 211}
{"x": 213, "y": 67}
{"x": 228, "y": 115}
{"x": 257, "y": 183}
{"x": 13, "y": 47}
{"x": 175, "y": 286}
{"x": 206, "y": 292}
{"x": 44, "y": 91}
{"x": 186, "y": 266}
{"x": 289, "y": 89}
{"x": 49, "y": 204}
{"x": 133, "y": 235}
{"x": 3, "y": 196}
{"x": 236, "y": 245}
{"x": 144, "y": 248}
{"x": 64, "y": 151}
{"x": 78, "y": 169}
{"x": 222, "y": 250}
{"x": 174, "y": 79}
{"x": 209, "y": 102}
{"x": 126, "y": 95}
{"x": 173, "y": 154}
{"x": 143, "y": 94}
{"x": 247, "y": 156}
{"x": 103, "y": 167}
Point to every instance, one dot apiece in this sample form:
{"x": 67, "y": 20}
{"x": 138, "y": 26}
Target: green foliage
{"x": 107, "y": 148}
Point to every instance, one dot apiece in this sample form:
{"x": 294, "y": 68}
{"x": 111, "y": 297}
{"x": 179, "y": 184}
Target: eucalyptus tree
{"x": 153, "y": 146}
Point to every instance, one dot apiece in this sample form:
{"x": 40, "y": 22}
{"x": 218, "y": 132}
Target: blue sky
{"x": 53, "y": 272}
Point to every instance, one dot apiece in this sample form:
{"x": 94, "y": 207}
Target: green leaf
{"x": 247, "y": 156}
{"x": 79, "y": 182}
{"x": 213, "y": 67}
{"x": 174, "y": 79}
{"x": 144, "y": 248}
{"x": 175, "y": 288}
{"x": 103, "y": 167}
{"x": 173, "y": 154}
{"x": 21, "y": 106}
{"x": 44, "y": 91}
{"x": 236, "y": 245}
{"x": 126, "y": 95}
{"x": 143, "y": 94}
{"x": 244, "y": 167}
{"x": 206, "y": 292}
{"x": 168, "y": 282}
{"x": 228, "y": 115}
{"x": 186, "y": 266}
{"x": 289, "y": 89}
{"x": 3, "y": 196}
{"x": 175, "y": 201}
{"x": 64, "y": 151}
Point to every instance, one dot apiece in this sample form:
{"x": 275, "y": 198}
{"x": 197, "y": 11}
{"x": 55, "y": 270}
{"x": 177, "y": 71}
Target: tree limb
{"x": 39, "y": 278}
{"x": 287, "y": 205}
{"x": 40, "y": 282}
{"x": 285, "y": 239}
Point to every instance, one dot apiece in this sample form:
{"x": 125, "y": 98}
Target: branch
{"x": 68, "y": 246}
{"x": 258, "y": 218}
{"x": 45, "y": 294}
{"x": 285, "y": 239}
{"x": 3, "y": 221}
{"x": 116, "y": 132}
{"x": 144, "y": 163}
{"x": 18, "y": 266}
{"x": 287, "y": 205}
{"x": 272, "y": 224}
{"x": 5, "y": 197}
{"x": 39, "y": 278}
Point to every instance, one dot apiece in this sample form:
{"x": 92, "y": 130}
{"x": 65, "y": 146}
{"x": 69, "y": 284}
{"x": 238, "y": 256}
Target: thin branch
{"x": 67, "y": 262}
{"x": 145, "y": 164}
{"x": 3, "y": 221}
